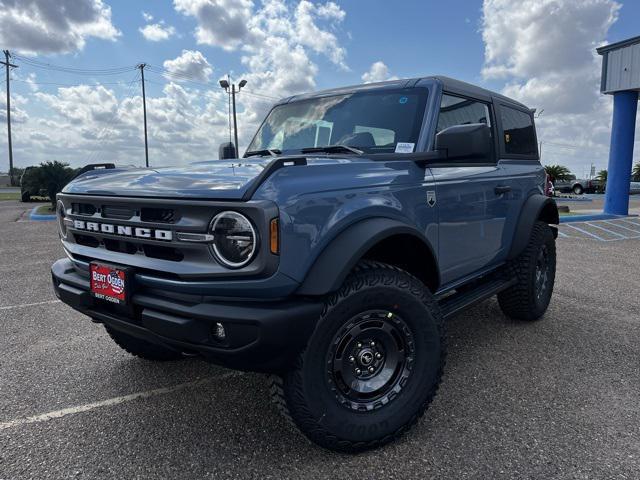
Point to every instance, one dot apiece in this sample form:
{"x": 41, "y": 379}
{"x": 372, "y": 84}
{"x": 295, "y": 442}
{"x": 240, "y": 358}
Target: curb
{"x": 589, "y": 218}
{"x": 40, "y": 218}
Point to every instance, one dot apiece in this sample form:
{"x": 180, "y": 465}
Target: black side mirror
{"x": 227, "y": 150}
{"x": 461, "y": 142}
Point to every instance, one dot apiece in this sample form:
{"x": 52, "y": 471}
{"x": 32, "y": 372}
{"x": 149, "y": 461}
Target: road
{"x": 554, "y": 399}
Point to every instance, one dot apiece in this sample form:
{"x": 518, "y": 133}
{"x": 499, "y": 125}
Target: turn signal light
{"x": 274, "y": 240}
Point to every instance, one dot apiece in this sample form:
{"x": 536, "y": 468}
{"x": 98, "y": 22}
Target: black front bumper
{"x": 260, "y": 336}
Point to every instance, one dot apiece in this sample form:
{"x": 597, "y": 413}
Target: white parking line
{"x": 112, "y": 401}
{"x": 585, "y": 232}
{"x": 621, "y": 226}
{"x": 24, "y": 305}
{"x": 607, "y": 230}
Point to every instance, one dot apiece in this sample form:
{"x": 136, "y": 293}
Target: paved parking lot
{"x": 557, "y": 398}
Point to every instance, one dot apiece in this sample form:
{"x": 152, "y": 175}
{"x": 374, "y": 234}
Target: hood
{"x": 220, "y": 179}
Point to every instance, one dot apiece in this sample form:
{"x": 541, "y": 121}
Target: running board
{"x": 455, "y": 303}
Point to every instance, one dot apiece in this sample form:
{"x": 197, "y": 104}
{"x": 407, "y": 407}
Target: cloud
{"x": 147, "y": 17}
{"x": 544, "y": 51}
{"x": 191, "y": 64}
{"x": 223, "y": 23}
{"x": 60, "y": 26}
{"x": 378, "y": 72}
{"x": 156, "y": 32}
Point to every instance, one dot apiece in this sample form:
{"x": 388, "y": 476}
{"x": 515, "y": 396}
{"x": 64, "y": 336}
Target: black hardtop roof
{"x": 449, "y": 84}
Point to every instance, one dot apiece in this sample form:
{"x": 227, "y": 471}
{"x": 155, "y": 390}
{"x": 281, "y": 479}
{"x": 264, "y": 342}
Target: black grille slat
{"x": 157, "y": 215}
{"x": 118, "y": 212}
{"x": 83, "y": 209}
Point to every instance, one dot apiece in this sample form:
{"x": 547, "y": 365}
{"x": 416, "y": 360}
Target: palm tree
{"x": 636, "y": 172}
{"x": 558, "y": 172}
{"x": 602, "y": 178}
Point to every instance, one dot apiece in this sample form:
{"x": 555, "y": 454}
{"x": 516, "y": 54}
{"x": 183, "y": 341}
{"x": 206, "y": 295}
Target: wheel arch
{"x": 382, "y": 239}
{"x": 536, "y": 207}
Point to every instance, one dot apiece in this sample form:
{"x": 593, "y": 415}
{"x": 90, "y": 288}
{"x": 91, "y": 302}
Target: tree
{"x": 52, "y": 177}
{"x": 558, "y": 172}
{"x": 636, "y": 172}
{"x": 602, "y": 178}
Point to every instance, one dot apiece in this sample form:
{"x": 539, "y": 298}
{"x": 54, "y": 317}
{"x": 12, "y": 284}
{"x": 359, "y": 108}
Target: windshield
{"x": 371, "y": 121}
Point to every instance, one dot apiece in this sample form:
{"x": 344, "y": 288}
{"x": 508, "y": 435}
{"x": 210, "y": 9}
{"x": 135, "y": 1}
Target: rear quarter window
{"x": 519, "y": 134}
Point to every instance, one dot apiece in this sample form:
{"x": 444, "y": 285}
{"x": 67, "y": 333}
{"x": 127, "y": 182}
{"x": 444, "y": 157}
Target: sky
{"x": 76, "y": 94}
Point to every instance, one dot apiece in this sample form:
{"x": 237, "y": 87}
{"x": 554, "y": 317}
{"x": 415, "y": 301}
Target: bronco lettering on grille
{"x": 123, "y": 230}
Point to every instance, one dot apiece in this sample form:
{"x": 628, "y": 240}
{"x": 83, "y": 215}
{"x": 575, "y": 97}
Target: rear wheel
{"x": 141, "y": 348}
{"x": 535, "y": 271}
{"x": 578, "y": 190}
{"x": 372, "y": 366}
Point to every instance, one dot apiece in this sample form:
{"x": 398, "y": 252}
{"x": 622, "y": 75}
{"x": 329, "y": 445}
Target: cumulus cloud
{"x": 156, "y": 32}
{"x": 190, "y": 64}
{"x": 60, "y": 26}
{"x": 378, "y": 72}
{"x": 544, "y": 51}
{"x": 223, "y": 23}
{"x": 89, "y": 124}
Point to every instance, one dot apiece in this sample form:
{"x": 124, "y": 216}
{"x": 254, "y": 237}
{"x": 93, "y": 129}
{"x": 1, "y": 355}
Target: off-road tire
{"x": 141, "y": 348}
{"x": 523, "y": 301}
{"x": 307, "y": 396}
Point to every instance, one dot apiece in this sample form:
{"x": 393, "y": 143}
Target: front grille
{"x": 157, "y": 215}
{"x": 118, "y": 212}
{"x": 83, "y": 209}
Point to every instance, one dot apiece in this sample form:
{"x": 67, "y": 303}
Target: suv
{"x": 330, "y": 256}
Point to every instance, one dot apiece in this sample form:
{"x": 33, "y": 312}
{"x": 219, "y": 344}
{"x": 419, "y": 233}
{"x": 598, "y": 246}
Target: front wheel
{"x": 535, "y": 272}
{"x": 372, "y": 366}
{"x": 578, "y": 190}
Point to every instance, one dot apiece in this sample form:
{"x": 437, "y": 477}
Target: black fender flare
{"x": 535, "y": 207}
{"x": 339, "y": 257}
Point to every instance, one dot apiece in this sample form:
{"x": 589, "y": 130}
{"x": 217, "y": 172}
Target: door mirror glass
{"x": 470, "y": 142}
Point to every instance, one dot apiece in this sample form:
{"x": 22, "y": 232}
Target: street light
{"x": 225, "y": 84}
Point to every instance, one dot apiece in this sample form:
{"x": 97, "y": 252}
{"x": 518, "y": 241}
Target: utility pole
{"x": 225, "y": 84}
{"x": 6, "y": 63}
{"x": 144, "y": 110}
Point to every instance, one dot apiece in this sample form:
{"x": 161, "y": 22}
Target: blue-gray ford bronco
{"x": 330, "y": 255}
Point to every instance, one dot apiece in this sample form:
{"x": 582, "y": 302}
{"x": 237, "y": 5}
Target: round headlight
{"x": 61, "y": 214}
{"x": 234, "y": 239}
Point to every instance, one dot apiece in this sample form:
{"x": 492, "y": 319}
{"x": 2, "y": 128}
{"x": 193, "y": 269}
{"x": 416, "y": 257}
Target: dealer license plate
{"x": 109, "y": 283}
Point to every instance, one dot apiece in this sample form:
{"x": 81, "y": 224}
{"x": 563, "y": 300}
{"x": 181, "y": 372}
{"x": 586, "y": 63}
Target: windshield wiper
{"x": 274, "y": 152}
{"x": 333, "y": 149}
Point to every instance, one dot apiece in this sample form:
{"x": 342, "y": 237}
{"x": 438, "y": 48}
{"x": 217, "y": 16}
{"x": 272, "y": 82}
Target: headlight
{"x": 61, "y": 214}
{"x": 234, "y": 239}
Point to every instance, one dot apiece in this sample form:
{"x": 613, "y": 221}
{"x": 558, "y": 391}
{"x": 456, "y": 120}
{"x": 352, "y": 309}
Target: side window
{"x": 461, "y": 111}
{"x": 519, "y": 134}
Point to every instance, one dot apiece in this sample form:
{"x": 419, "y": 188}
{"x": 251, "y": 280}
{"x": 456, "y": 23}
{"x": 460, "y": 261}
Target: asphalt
{"x": 558, "y": 398}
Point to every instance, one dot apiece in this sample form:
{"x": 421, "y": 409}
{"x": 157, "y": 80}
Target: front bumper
{"x": 260, "y": 335}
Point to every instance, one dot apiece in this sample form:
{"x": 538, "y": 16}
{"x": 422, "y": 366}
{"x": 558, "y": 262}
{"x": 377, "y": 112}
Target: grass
{"x": 44, "y": 210}
{"x": 9, "y": 195}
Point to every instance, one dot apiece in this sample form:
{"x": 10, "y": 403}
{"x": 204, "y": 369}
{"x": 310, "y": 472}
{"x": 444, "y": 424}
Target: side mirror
{"x": 461, "y": 142}
{"x": 227, "y": 150}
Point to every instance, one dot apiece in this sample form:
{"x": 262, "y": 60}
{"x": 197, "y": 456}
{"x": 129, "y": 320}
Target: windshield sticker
{"x": 403, "y": 100}
{"x": 405, "y": 147}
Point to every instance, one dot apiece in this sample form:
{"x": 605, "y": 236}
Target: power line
{"x": 79, "y": 71}
{"x": 71, "y": 84}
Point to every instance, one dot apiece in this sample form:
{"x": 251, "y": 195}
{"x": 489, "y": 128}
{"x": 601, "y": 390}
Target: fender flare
{"x": 535, "y": 207}
{"x": 339, "y": 257}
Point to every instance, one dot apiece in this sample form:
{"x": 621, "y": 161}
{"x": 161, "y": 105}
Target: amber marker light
{"x": 274, "y": 240}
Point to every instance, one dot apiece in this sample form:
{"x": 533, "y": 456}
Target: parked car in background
{"x": 577, "y": 186}
{"x": 30, "y": 184}
{"x": 634, "y": 188}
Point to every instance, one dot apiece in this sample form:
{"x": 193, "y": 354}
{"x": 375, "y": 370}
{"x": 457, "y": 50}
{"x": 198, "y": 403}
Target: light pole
{"x": 225, "y": 84}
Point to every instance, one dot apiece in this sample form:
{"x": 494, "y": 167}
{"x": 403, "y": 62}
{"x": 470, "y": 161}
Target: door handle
{"x": 500, "y": 189}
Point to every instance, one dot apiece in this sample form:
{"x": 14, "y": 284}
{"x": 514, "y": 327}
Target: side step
{"x": 455, "y": 303}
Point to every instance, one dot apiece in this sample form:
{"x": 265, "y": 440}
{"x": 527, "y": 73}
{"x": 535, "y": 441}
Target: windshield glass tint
{"x": 373, "y": 121}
